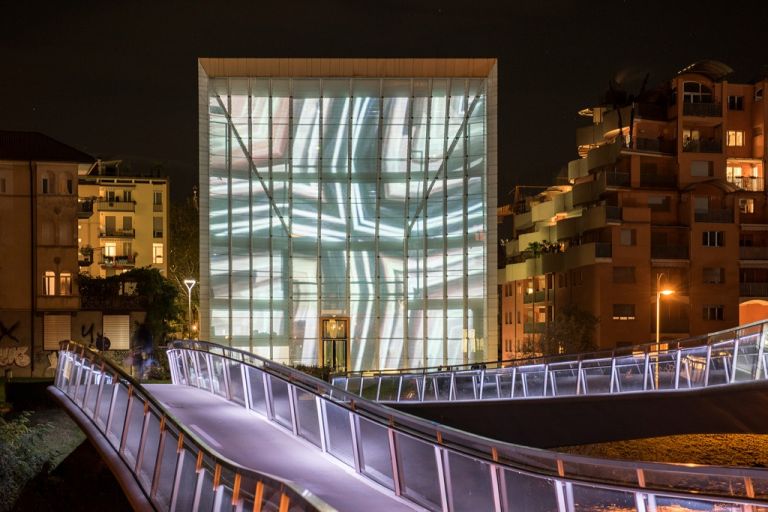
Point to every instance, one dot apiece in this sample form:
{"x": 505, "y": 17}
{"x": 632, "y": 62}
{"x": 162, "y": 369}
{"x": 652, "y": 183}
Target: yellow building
{"x": 669, "y": 189}
{"x": 38, "y": 245}
{"x": 123, "y": 221}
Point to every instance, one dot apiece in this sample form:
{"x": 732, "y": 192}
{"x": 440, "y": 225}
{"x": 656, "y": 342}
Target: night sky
{"x": 119, "y": 81}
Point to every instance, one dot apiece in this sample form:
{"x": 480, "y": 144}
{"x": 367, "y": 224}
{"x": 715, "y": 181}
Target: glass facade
{"x": 362, "y": 199}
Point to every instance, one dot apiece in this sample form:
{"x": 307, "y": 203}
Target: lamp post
{"x": 190, "y": 283}
{"x": 659, "y": 293}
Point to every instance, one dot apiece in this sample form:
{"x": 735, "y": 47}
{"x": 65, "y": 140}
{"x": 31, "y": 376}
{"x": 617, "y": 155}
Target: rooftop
{"x": 33, "y": 146}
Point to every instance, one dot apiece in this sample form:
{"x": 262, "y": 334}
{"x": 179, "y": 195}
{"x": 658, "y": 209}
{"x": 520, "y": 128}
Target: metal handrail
{"x": 70, "y": 349}
{"x": 565, "y": 470}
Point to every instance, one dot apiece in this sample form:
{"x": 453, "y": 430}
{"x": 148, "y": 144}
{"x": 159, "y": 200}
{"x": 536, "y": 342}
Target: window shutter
{"x": 117, "y": 329}
{"x": 56, "y": 328}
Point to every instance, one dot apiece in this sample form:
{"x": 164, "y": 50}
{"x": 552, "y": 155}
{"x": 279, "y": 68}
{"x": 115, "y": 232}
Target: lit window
{"x": 623, "y": 311}
{"x": 65, "y": 283}
{"x": 735, "y": 138}
{"x": 49, "y": 283}
{"x": 110, "y": 249}
{"x": 713, "y": 238}
{"x": 157, "y": 254}
{"x": 746, "y": 205}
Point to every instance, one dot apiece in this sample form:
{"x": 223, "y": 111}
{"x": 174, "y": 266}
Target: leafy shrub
{"x": 23, "y": 452}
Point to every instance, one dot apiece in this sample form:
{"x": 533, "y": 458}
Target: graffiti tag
{"x": 8, "y": 331}
{"x": 14, "y": 355}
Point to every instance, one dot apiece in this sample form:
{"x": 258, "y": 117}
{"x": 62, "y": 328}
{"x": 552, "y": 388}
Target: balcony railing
{"x": 750, "y": 183}
{"x": 157, "y": 207}
{"x": 84, "y": 209}
{"x": 658, "y": 180}
{"x": 157, "y": 234}
{"x": 537, "y": 296}
{"x": 118, "y": 261}
{"x": 753, "y": 253}
{"x": 617, "y": 179}
{"x": 534, "y": 327}
{"x": 655, "y": 145}
{"x": 753, "y": 289}
{"x": 702, "y": 109}
{"x": 116, "y": 206}
{"x": 118, "y": 233}
{"x": 703, "y": 146}
{"x": 721, "y": 216}
{"x": 669, "y": 252}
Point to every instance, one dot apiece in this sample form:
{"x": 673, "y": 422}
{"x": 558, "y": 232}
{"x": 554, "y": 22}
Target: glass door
{"x": 334, "y": 343}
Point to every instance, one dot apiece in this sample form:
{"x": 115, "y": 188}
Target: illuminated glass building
{"x": 348, "y": 209}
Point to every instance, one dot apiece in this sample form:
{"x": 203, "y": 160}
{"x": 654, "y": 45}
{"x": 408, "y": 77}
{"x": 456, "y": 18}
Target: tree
{"x": 572, "y": 331}
{"x": 184, "y": 254}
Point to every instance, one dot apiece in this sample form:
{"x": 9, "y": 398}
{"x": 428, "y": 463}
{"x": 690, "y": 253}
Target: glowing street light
{"x": 659, "y": 293}
{"x": 189, "y": 283}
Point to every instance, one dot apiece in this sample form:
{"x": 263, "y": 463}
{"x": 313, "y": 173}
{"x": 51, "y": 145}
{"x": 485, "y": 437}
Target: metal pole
{"x": 658, "y": 325}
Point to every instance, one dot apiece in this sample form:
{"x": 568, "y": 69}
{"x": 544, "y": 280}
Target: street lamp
{"x": 190, "y": 283}
{"x": 659, "y": 293}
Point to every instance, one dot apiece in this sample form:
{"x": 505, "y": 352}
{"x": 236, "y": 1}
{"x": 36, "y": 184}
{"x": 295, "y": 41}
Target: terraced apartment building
{"x": 669, "y": 191}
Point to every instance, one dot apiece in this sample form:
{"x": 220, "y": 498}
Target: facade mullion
{"x": 270, "y": 245}
{"x": 289, "y": 264}
{"x": 377, "y": 229}
{"x": 319, "y": 243}
{"x": 465, "y": 225}
{"x": 250, "y": 224}
{"x": 424, "y": 238}
{"x": 444, "y": 166}
{"x": 230, "y": 129}
{"x": 405, "y": 360}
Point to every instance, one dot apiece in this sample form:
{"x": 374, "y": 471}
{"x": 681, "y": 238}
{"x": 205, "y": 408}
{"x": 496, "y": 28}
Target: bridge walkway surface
{"x": 250, "y": 440}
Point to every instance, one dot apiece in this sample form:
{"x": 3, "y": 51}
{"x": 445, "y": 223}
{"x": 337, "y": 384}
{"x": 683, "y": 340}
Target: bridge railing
{"x": 725, "y": 357}
{"x": 175, "y": 469}
{"x": 440, "y": 468}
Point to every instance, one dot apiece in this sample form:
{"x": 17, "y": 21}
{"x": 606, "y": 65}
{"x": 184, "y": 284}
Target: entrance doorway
{"x": 334, "y": 343}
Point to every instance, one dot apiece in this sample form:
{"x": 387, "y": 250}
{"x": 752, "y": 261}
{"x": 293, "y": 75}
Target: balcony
{"x": 118, "y": 233}
{"x": 105, "y": 205}
{"x": 703, "y": 146}
{"x": 655, "y": 145}
{"x": 534, "y": 327}
{"x": 537, "y": 296}
{"x": 753, "y": 253}
{"x": 118, "y": 261}
{"x": 702, "y": 109}
{"x": 157, "y": 234}
{"x": 84, "y": 209}
{"x": 654, "y": 180}
{"x": 718, "y": 216}
{"x": 749, "y": 183}
{"x": 669, "y": 252}
{"x": 753, "y": 289}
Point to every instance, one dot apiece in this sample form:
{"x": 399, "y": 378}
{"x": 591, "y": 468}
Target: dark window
{"x": 627, "y": 237}
{"x": 735, "y": 102}
{"x": 659, "y": 203}
{"x": 713, "y": 238}
{"x": 623, "y": 311}
{"x": 623, "y": 274}
{"x": 714, "y": 275}
{"x": 713, "y": 312}
{"x": 70, "y": 187}
{"x": 45, "y": 186}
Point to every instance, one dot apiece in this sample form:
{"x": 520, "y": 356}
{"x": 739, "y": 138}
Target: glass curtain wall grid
{"x": 443, "y": 469}
{"x": 360, "y": 198}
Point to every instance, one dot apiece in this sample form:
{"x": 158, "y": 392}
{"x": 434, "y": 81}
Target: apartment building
{"x": 38, "y": 267}
{"x": 122, "y": 221}
{"x": 669, "y": 190}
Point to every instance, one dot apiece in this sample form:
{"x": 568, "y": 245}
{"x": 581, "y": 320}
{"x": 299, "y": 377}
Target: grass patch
{"x": 747, "y": 450}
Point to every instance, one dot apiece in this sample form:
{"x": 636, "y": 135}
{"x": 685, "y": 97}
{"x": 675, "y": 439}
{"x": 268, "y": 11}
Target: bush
{"x": 23, "y": 452}
{"x": 321, "y": 372}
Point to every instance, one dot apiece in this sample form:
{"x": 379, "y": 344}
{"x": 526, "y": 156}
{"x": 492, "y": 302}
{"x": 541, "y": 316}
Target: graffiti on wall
{"x": 8, "y": 332}
{"x": 15, "y": 355}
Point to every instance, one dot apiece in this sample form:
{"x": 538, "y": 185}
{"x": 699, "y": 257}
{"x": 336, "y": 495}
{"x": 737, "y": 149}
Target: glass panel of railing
{"x": 82, "y": 381}
{"x": 595, "y": 498}
{"x": 747, "y": 355}
{"x": 490, "y": 387}
{"x": 236, "y": 387}
{"x": 375, "y": 457}
{"x": 410, "y": 388}
{"x": 469, "y": 483}
{"x": 71, "y": 369}
{"x": 533, "y": 459}
{"x": 596, "y": 376}
{"x": 588, "y": 469}
{"x": 630, "y": 373}
{"x": 247, "y": 494}
{"x": 705, "y": 483}
{"x": 505, "y": 382}
{"x": 92, "y": 392}
{"x": 662, "y": 370}
{"x": 218, "y": 375}
{"x": 207, "y": 492}
{"x": 167, "y": 470}
{"x": 693, "y": 367}
{"x": 388, "y": 390}
{"x": 525, "y": 492}
{"x": 720, "y": 363}
{"x": 271, "y": 498}
{"x": 185, "y": 493}
{"x": 681, "y": 504}
{"x": 135, "y": 425}
{"x": 189, "y": 359}
{"x": 338, "y": 433}
{"x": 563, "y": 378}
{"x": 119, "y": 408}
{"x": 105, "y": 401}
{"x": 227, "y": 483}
{"x": 204, "y": 374}
{"x": 256, "y": 386}
{"x": 465, "y": 385}
{"x": 532, "y": 379}
{"x": 418, "y": 471}
{"x": 760, "y": 486}
{"x": 369, "y": 387}
{"x": 353, "y": 385}
{"x": 306, "y": 410}
{"x": 149, "y": 454}
{"x": 437, "y": 387}
{"x": 281, "y": 405}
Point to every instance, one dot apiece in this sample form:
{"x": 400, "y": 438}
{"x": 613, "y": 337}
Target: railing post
{"x": 443, "y": 472}
{"x": 611, "y": 387}
{"x": 355, "y": 442}
{"x": 393, "y": 457}
{"x": 126, "y": 422}
{"x": 180, "y": 461}
{"x": 760, "y": 352}
{"x": 496, "y": 485}
{"x": 579, "y": 380}
{"x": 706, "y": 368}
{"x": 734, "y": 366}
{"x": 143, "y": 438}
{"x": 678, "y": 357}
{"x": 292, "y": 407}
{"x": 112, "y": 405}
{"x": 268, "y": 395}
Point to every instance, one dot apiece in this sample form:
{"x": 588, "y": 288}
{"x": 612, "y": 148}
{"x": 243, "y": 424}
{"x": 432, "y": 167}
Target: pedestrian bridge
{"x": 238, "y": 432}
{"x": 709, "y": 384}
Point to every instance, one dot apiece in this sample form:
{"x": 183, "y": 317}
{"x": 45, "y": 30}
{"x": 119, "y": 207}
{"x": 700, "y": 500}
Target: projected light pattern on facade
{"x": 363, "y": 199}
